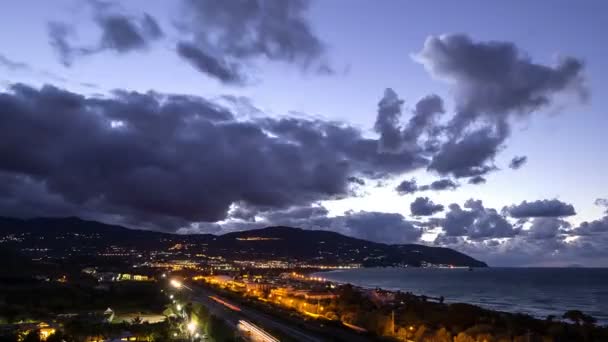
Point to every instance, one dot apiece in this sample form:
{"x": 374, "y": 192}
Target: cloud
{"x": 387, "y": 121}
{"x": 541, "y": 208}
{"x": 476, "y": 223}
{"x": 119, "y": 33}
{"x": 276, "y": 30}
{"x": 389, "y": 228}
{"x": 492, "y": 82}
{"x": 424, "y": 118}
{"x": 441, "y": 184}
{"x": 518, "y": 162}
{"x": 468, "y": 157}
{"x": 11, "y": 64}
{"x": 407, "y": 187}
{"x": 546, "y": 228}
{"x": 411, "y": 186}
{"x": 423, "y": 206}
{"x": 477, "y": 180}
{"x": 124, "y": 34}
{"x": 59, "y": 34}
{"x": 602, "y": 202}
{"x": 593, "y": 228}
{"x": 225, "y": 72}
{"x": 164, "y": 161}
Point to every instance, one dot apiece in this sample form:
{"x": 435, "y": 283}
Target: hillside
{"x": 73, "y": 236}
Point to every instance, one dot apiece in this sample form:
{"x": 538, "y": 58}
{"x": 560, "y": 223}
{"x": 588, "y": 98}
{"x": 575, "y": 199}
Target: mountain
{"x": 76, "y": 237}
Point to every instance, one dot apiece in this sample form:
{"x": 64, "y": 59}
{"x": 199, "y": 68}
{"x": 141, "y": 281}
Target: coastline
{"x": 522, "y": 299}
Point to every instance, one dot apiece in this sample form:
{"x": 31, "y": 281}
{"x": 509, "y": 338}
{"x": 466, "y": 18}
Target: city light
{"x": 176, "y": 283}
{"x": 191, "y": 327}
{"x": 179, "y": 307}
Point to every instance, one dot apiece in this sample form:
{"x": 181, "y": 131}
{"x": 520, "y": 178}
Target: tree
{"x": 578, "y": 316}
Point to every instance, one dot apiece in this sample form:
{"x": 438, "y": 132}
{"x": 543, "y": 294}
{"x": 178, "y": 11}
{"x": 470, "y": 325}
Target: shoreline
{"x": 535, "y": 312}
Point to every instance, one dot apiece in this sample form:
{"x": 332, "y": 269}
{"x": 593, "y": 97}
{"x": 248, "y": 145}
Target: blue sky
{"x": 370, "y": 45}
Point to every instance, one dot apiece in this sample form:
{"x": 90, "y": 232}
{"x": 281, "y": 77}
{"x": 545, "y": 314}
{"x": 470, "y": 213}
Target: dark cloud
{"x": 468, "y": 157}
{"x": 389, "y": 228}
{"x": 387, "y": 121}
{"x": 518, "y": 162}
{"x": 119, "y": 33}
{"x": 476, "y": 223}
{"x": 492, "y": 81}
{"x": 407, "y": 187}
{"x": 541, "y": 208}
{"x": 593, "y": 228}
{"x": 124, "y": 34}
{"x": 241, "y": 31}
{"x": 423, "y": 206}
{"x": 225, "y": 72}
{"x": 164, "y": 161}
{"x": 356, "y": 180}
{"x": 441, "y": 184}
{"x": 411, "y": 186}
{"x": 477, "y": 180}
{"x": 424, "y": 117}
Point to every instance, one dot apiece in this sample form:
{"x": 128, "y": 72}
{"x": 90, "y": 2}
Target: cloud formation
{"x": 474, "y": 222}
{"x": 387, "y": 121}
{"x": 541, "y": 208}
{"x": 169, "y": 160}
{"x": 411, "y": 186}
{"x": 493, "y": 81}
{"x": 423, "y": 206}
{"x": 477, "y": 180}
{"x": 228, "y": 73}
{"x": 120, "y": 33}
{"x": 518, "y": 162}
{"x": 241, "y": 31}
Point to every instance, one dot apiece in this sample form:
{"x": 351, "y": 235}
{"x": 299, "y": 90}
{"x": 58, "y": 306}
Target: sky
{"x": 473, "y": 125}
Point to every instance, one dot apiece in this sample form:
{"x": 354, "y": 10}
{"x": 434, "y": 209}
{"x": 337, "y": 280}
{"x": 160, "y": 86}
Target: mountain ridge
{"x": 274, "y": 241}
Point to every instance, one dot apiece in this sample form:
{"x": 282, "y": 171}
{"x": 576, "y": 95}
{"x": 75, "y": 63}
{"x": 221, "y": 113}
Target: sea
{"x": 535, "y": 291}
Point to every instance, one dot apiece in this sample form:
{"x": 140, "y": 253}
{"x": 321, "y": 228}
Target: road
{"x": 232, "y": 317}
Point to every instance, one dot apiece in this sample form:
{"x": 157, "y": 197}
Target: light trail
{"x": 255, "y": 333}
{"x": 225, "y": 303}
{"x": 354, "y": 327}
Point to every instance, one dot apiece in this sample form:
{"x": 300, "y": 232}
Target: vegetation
{"x": 40, "y": 300}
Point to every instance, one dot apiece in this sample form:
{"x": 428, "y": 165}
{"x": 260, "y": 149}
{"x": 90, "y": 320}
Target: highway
{"x": 232, "y": 314}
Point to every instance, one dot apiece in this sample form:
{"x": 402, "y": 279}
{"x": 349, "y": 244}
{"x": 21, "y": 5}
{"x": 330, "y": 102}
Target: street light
{"x": 179, "y": 307}
{"x": 176, "y": 283}
{"x": 191, "y": 327}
